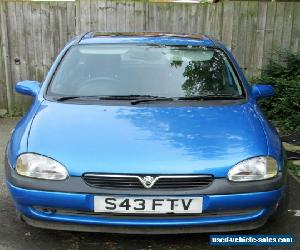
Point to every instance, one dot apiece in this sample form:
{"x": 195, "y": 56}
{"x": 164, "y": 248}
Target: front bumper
{"x": 252, "y": 210}
{"x": 69, "y": 205}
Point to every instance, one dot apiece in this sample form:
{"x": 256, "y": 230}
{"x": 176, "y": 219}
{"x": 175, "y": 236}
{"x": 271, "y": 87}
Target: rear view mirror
{"x": 31, "y": 88}
{"x": 262, "y": 91}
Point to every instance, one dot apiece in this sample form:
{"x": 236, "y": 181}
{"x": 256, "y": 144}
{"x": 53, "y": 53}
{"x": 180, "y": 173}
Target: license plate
{"x": 150, "y": 205}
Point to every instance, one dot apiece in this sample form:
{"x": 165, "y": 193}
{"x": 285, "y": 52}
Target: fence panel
{"x": 32, "y": 33}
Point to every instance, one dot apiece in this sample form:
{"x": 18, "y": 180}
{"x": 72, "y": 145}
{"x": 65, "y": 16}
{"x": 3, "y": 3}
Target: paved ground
{"x": 16, "y": 235}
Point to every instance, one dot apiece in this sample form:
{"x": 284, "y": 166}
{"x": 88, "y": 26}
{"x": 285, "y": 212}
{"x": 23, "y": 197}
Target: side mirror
{"x": 31, "y": 88}
{"x": 262, "y": 91}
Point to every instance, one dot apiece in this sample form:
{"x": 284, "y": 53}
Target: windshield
{"x": 143, "y": 70}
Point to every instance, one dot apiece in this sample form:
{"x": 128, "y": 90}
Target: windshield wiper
{"x": 125, "y": 97}
{"x": 106, "y": 97}
{"x": 212, "y": 97}
{"x": 153, "y": 99}
{"x": 65, "y": 98}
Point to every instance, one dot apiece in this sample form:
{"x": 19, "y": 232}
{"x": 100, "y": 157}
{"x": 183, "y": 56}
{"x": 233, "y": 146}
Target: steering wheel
{"x": 97, "y": 85}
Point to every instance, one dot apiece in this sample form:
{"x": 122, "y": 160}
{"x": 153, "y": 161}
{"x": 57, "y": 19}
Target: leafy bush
{"x": 283, "y": 72}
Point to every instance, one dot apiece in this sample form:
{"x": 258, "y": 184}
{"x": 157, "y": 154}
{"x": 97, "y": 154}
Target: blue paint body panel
{"x": 145, "y": 139}
{"x": 148, "y": 140}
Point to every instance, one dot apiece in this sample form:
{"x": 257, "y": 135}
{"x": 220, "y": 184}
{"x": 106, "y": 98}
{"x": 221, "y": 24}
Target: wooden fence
{"x": 32, "y": 33}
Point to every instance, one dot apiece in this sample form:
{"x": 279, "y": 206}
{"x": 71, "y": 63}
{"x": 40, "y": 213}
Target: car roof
{"x": 145, "y": 38}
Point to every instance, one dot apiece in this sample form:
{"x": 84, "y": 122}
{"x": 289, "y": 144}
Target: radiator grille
{"x": 142, "y": 182}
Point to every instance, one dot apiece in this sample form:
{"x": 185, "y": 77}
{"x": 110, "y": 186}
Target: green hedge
{"x": 283, "y": 72}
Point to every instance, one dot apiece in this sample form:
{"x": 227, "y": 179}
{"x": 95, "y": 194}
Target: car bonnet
{"x": 147, "y": 139}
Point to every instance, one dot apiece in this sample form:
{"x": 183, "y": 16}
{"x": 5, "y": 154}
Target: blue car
{"x": 145, "y": 133}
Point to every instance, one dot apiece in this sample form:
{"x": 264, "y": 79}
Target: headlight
{"x": 41, "y": 167}
{"x": 257, "y": 168}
